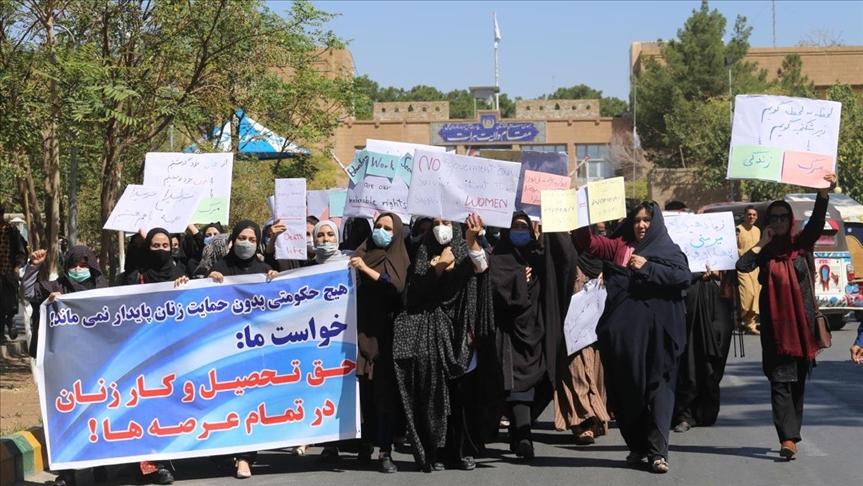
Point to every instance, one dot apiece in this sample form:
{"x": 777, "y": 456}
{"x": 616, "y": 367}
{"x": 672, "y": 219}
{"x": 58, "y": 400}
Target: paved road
{"x": 741, "y": 449}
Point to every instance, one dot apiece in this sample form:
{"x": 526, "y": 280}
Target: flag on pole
{"x": 497, "y": 37}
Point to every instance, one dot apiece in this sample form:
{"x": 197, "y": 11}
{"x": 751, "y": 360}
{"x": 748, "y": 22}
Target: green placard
{"x": 211, "y": 210}
{"x": 755, "y": 162}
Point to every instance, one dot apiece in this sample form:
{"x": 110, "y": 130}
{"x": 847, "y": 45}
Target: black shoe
{"x": 683, "y": 426}
{"x": 387, "y": 465}
{"x": 162, "y": 476}
{"x": 524, "y": 449}
{"x": 467, "y": 464}
{"x": 365, "y": 453}
{"x": 64, "y": 481}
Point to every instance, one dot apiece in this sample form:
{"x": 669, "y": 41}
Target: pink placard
{"x": 536, "y": 182}
{"x": 807, "y": 169}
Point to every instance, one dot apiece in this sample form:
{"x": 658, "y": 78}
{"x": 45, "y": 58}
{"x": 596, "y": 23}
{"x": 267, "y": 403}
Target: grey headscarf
{"x": 213, "y": 252}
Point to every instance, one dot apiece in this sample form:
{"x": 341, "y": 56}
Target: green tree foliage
{"x": 850, "y": 154}
{"x": 608, "y": 105}
{"x": 683, "y": 102}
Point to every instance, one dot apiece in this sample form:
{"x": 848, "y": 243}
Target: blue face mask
{"x": 382, "y": 237}
{"x": 78, "y": 276}
{"x": 209, "y": 239}
{"x": 519, "y": 237}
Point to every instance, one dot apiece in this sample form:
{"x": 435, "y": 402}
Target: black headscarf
{"x": 392, "y": 260}
{"x": 234, "y": 265}
{"x": 136, "y": 252}
{"x": 157, "y": 265}
{"x": 74, "y": 255}
{"x": 357, "y": 230}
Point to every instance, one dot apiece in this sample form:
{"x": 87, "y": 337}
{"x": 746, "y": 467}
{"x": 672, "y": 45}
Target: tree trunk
{"x": 51, "y": 152}
{"x": 112, "y": 170}
{"x": 30, "y": 203}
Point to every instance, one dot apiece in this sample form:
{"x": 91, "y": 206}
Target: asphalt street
{"x": 741, "y": 449}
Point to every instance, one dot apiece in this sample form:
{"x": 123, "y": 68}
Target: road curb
{"x": 22, "y": 455}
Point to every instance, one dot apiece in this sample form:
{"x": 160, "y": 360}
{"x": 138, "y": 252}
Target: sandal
{"x": 659, "y": 465}
{"x": 585, "y": 437}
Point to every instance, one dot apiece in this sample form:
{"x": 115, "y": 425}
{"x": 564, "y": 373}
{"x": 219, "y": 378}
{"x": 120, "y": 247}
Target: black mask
{"x": 159, "y": 258}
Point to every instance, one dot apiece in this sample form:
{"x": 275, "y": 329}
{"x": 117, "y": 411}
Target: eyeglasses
{"x": 775, "y": 218}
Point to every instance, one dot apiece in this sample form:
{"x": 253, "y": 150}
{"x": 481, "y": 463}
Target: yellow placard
{"x": 606, "y": 200}
{"x": 559, "y": 210}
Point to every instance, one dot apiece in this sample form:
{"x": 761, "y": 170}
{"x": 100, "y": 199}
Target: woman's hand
{"x": 474, "y": 227}
{"x": 447, "y": 259}
{"x": 636, "y": 262}
{"x": 192, "y": 229}
{"x": 766, "y": 237}
{"x": 217, "y": 277}
{"x": 831, "y": 179}
{"x": 358, "y": 263}
{"x": 181, "y": 281}
{"x": 277, "y": 228}
{"x": 38, "y": 257}
{"x": 271, "y": 274}
{"x": 53, "y": 295}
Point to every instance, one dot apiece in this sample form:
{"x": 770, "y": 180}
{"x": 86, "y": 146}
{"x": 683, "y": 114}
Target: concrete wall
{"x": 411, "y": 110}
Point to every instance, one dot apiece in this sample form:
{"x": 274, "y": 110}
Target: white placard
{"x": 290, "y": 209}
{"x": 583, "y": 212}
{"x": 148, "y": 207}
{"x": 452, "y": 186}
{"x": 585, "y": 309}
{"x": 706, "y": 239}
{"x": 318, "y": 203}
{"x": 211, "y": 172}
{"x": 801, "y": 124}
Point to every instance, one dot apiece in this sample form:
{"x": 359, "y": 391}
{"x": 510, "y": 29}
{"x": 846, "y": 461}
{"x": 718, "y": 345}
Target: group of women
{"x": 460, "y": 327}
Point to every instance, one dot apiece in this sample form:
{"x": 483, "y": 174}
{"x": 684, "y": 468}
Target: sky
{"x": 546, "y": 45}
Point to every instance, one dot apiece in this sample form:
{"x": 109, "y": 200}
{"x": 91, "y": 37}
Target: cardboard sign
{"x": 606, "y": 200}
{"x": 210, "y": 172}
{"x": 784, "y": 139}
{"x": 559, "y": 210}
{"x": 290, "y": 209}
{"x": 537, "y": 182}
{"x": 405, "y": 152}
{"x": 148, "y": 207}
{"x": 706, "y": 239}
{"x": 452, "y": 186}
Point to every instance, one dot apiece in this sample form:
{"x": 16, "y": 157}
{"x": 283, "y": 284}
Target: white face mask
{"x": 244, "y": 249}
{"x": 442, "y": 233}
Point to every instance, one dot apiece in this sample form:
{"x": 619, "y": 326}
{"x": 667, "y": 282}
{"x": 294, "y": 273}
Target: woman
{"x": 709, "y": 325}
{"x": 156, "y": 264}
{"x": 217, "y": 249}
{"x": 443, "y": 342}
{"x": 517, "y": 270}
{"x": 194, "y": 244}
{"x": 242, "y": 260}
{"x": 326, "y": 244}
{"x": 579, "y": 395}
{"x": 81, "y": 273}
{"x": 642, "y": 331}
{"x": 787, "y": 305}
{"x": 382, "y": 262}
{"x": 357, "y": 230}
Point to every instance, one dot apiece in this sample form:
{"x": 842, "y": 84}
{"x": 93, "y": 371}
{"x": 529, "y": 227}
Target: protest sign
{"x": 148, "y": 207}
{"x": 559, "y": 210}
{"x": 337, "y": 201}
{"x": 539, "y": 171}
{"x": 706, "y": 239}
{"x": 583, "y": 212}
{"x": 405, "y": 151}
{"x": 204, "y": 370}
{"x": 784, "y": 139}
{"x": 452, "y": 186}
{"x": 585, "y": 309}
{"x": 211, "y": 172}
{"x": 371, "y": 194}
{"x": 537, "y": 182}
{"x": 606, "y": 200}
{"x": 290, "y": 209}
{"x": 318, "y": 203}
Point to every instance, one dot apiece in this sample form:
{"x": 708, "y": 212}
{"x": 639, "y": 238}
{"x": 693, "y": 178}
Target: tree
{"x": 790, "y": 78}
{"x": 822, "y": 37}
{"x": 608, "y": 106}
{"x": 849, "y": 161}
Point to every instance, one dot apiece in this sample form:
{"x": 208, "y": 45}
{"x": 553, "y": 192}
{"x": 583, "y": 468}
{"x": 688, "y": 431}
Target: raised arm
{"x": 598, "y": 246}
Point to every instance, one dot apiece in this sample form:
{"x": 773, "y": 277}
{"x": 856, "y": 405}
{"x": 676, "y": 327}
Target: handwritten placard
{"x": 290, "y": 209}
{"x": 552, "y": 165}
{"x": 583, "y": 211}
{"x": 706, "y": 239}
{"x": 148, "y": 207}
{"x": 559, "y": 210}
{"x": 357, "y": 168}
{"x": 606, "y": 200}
{"x": 405, "y": 152}
{"x": 452, "y": 186}
{"x": 211, "y": 172}
{"x": 585, "y": 309}
{"x": 536, "y": 182}
{"x": 372, "y": 194}
{"x": 802, "y": 133}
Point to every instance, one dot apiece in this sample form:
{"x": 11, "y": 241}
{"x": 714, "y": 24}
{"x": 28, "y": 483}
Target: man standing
{"x": 747, "y": 236}
{"x": 13, "y": 254}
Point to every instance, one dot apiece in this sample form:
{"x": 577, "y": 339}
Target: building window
{"x": 595, "y": 151}
{"x": 544, "y": 148}
{"x": 599, "y": 169}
